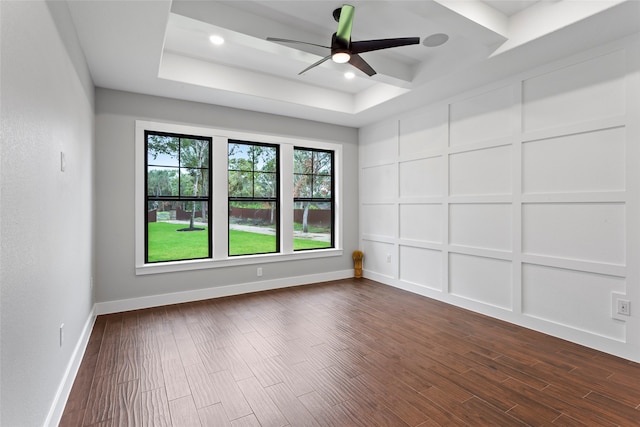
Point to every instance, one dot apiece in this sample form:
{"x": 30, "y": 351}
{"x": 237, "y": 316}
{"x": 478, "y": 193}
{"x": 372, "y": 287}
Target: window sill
{"x": 202, "y": 264}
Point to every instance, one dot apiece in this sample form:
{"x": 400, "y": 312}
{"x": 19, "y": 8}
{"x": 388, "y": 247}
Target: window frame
{"x": 275, "y": 199}
{"x": 312, "y": 199}
{"x": 179, "y": 197}
{"x": 218, "y": 210}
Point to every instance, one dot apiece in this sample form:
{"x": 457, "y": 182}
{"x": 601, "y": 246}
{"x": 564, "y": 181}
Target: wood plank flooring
{"x": 343, "y": 353}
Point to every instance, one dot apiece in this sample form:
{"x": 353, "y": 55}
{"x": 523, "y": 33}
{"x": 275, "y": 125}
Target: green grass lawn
{"x": 309, "y": 244}
{"x": 244, "y": 242}
{"x": 167, "y": 244}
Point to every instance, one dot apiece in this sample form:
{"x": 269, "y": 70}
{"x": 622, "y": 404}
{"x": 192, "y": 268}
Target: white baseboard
{"x": 64, "y": 389}
{"x": 216, "y": 292}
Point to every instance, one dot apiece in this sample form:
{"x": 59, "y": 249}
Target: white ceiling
{"x": 161, "y": 47}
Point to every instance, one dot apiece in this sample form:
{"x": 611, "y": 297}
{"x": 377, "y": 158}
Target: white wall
{"x": 116, "y": 285}
{"x": 45, "y": 214}
{"x": 519, "y": 199}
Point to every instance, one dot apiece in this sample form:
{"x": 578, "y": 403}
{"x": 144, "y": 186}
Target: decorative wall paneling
{"x": 518, "y": 200}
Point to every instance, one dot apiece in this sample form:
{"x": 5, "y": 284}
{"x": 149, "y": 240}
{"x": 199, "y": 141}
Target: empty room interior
{"x": 327, "y": 213}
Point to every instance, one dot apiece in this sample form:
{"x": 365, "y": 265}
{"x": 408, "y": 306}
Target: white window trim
{"x": 220, "y": 205}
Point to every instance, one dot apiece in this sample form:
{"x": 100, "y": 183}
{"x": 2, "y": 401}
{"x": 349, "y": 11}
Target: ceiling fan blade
{"x": 369, "y": 45}
{"x": 361, "y": 64}
{"x": 315, "y": 64}
{"x": 275, "y": 39}
{"x": 345, "y": 24}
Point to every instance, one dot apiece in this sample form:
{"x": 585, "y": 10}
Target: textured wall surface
{"x": 46, "y": 214}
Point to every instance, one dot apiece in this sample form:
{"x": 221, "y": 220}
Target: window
{"x": 217, "y": 184}
{"x": 313, "y": 199}
{"x": 254, "y": 204}
{"x": 178, "y": 197}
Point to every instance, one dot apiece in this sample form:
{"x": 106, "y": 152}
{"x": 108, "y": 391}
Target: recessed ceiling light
{"x": 349, "y": 75}
{"x": 217, "y": 40}
{"x": 435, "y": 40}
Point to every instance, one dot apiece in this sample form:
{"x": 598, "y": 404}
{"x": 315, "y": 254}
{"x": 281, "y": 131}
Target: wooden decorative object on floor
{"x": 358, "y": 256}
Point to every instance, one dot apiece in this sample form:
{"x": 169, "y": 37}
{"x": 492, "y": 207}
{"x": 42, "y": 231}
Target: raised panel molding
{"x": 583, "y": 292}
{"x": 421, "y": 178}
{"x": 483, "y": 117}
{"x": 379, "y": 219}
{"x": 421, "y": 222}
{"x": 484, "y": 226}
{"x": 422, "y": 267}
{"x": 423, "y": 131}
{"x": 581, "y": 231}
{"x": 529, "y": 211}
{"x": 481, "y": 279}
{"x": 378, "y": 183}
{"x": 581, "y": 92}
{"x": 378, "y": 143}
{"x": 481, "y": 172}
{"x": 582, "y": 163}
{"x": 379, "y": 257}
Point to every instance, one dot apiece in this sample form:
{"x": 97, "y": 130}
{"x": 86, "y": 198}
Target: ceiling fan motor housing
{"x": 340, "y": 48}
{"x": 343, "y": 50}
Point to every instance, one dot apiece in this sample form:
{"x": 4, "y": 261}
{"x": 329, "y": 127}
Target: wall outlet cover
{"x": 620, "y": 306}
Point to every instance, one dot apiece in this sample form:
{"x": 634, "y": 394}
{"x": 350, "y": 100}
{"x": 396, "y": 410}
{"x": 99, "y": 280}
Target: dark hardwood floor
{"x": 344, "y": 353}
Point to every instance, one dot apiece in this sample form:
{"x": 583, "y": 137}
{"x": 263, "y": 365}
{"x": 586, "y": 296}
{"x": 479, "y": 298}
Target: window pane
{"x": 177, "y": 167}
{"x": 194, "y": 182}
{"x": 240, "y": 184}
{"x": 187, "y": 182}
{"x": 194, "y": 153}
{"x": 162, "y": 150}
{"x": 302, "y": 186}
{"x": 302, "y": 162}
{"x": 313, "y": 199}
{"x": 177, "y": 230}
{"x": 264, "y": 158}
{"x": 265, "y": 185}
{"x": 252, "y": 228}
{"x": 239, "y": 157}
{"x": 322, "y": 187}
{"x": 204, "y": 183}
{"x": 253, "y": 222}
{"x": 162, "y": 181}
{"x": 322, "y": 163}
{"x": 312, "y": 225}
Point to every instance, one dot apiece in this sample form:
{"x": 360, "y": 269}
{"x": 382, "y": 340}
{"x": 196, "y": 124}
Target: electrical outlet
{"x": 259, "y": 272}
{"x": 61, "y": 334}
{"x": 63, "y": 162}
{"x": 620, "y": 306}
{"x": 624, "y": 307}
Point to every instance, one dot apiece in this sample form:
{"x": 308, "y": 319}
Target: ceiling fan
{"x": 344, "y": 50}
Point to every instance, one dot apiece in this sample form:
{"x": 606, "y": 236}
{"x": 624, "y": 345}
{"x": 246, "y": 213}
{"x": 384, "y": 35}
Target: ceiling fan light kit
{"x": 341, "y": 57}
{"x": 343, "y": 50}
